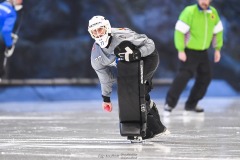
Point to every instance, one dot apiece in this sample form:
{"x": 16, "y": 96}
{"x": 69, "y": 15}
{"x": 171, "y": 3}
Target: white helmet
{"x": 96, "y": 23}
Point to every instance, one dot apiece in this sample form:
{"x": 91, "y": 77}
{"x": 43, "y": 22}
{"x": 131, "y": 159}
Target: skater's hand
{"x": 126, "y": 51}
{"x": 15, "y": 38}
{"x": 217, "y": 56}
{"x": 182, "y": 56}
{"x": 130, "y": 55}
{"x": 9, "y": 51}
{"x": 107, "y": 106}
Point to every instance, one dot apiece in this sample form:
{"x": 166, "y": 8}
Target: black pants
{"x": 197, "y": 63}
{"x": 151, "y": 63}
{"x": 154, "y": 124}
{"x": 2, "y": 56}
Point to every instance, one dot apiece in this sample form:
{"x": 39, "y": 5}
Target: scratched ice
{"x": 70, "y": 130}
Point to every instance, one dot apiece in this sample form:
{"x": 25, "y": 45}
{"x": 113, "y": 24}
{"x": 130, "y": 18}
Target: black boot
{"x": 194, "y": 109}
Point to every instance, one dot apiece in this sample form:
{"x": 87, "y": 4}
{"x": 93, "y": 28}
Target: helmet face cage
{"x": 100, "y": 30}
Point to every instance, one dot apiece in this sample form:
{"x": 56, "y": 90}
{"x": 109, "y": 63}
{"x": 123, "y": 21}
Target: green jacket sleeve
{"x": 182, "y": 26}
{"x": 219, "y": 41}
{"x": 179, "y": 40}
{"x": 218, "y": 35}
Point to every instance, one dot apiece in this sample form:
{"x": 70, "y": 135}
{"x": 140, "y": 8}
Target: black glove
{"x": 106, "y": 99}
{"x": 127, "y": 51}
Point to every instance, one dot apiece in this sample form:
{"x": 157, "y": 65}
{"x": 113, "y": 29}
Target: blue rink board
{"x": 217, "y": 88}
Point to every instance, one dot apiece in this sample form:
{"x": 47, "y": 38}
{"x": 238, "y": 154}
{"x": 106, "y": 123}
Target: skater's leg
{"x": 151, "y": 63}
{"x": 201, "y": 84}
{"x": 186, "y": 72}
{"x": 177, "y": 87}
{"x": 154, "y": 124}
{"x": 150, "y": 66}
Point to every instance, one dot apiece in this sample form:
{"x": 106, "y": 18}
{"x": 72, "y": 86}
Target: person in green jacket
{"x": 197, "y": 28}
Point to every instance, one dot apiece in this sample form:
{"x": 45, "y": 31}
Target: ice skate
{"x": 167, "y": 110}
{"x": 164, "y": 133}
{"x": 196, "y": 110}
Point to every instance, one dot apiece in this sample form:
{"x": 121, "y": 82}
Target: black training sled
{"x": 131, "y": 99}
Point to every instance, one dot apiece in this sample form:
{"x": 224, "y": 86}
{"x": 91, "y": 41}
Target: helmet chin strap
{"x": 104, "y": 43}
{"x": 109, "y": 41}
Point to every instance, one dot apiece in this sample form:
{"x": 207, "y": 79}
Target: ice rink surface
{"x": 81, "y": 130}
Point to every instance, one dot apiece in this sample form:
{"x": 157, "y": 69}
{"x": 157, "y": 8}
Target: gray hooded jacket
{"x": 103, "y": 59}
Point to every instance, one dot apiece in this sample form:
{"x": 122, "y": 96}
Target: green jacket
{"x": 196, "y": 29}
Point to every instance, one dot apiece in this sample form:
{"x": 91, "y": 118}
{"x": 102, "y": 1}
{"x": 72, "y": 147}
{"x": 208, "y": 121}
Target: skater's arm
{"x": 106, "y": 79}
{"x": 182, "y": 27}
{"x": 8, "y": 29}
{"x": 103, "y": 69}
{"x": 145, "y": 45}
{"x": 218, "y": 32}
{"x": 217, "y": 41}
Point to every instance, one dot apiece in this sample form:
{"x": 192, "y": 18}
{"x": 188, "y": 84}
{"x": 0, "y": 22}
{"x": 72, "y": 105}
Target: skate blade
{"x": 192, "y": 113}
{"x": 136, "y": 140}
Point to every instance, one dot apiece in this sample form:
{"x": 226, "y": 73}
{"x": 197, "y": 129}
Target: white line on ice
{"x": 28, "y": 118}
